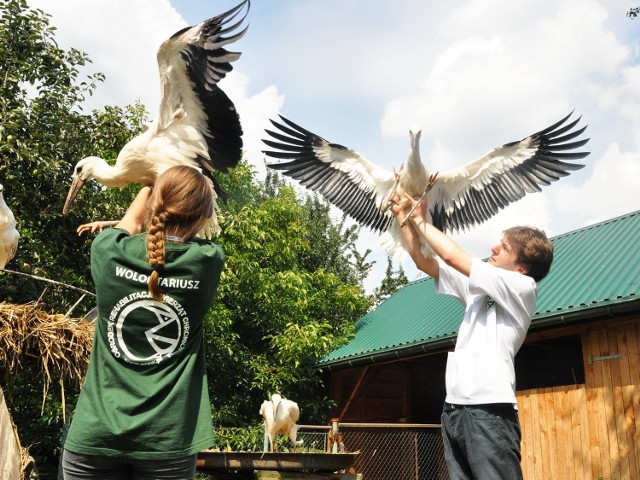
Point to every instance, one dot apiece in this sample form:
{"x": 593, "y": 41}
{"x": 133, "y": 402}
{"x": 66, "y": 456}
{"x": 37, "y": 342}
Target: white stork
{"x": 9, "y": 236}
{"x": 280, "y": 416}
{"x": 197, "y": 124}
{"x": 458, "y": 200}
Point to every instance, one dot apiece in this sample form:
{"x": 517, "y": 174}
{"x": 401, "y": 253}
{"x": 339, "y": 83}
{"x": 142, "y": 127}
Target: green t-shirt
{"x": 145, "y": 393}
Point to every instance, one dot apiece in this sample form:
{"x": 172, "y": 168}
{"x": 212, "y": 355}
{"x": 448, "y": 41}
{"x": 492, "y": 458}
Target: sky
{"x": 472, "y": 74}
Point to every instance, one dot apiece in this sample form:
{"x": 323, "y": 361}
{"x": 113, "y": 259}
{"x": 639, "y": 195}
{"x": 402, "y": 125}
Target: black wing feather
{"x": 298, "y": 148}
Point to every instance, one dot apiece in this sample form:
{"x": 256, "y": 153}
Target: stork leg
{"x": 386, "y": 203}
{"x": 432, "y": 181}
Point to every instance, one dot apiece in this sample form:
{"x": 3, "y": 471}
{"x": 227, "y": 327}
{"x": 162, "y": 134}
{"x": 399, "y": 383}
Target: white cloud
{"x": 121, "y": 37}
{"x": 255, "y": 112}
{"x": 611, "y": 190}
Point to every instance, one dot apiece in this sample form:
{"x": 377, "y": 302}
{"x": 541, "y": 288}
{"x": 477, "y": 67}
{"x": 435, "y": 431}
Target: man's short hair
{"x": 534, "y": 251}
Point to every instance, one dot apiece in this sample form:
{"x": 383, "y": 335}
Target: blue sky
{"x": 473, "y": 74}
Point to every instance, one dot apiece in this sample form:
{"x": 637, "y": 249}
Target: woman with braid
{"x": 144, "y": 410}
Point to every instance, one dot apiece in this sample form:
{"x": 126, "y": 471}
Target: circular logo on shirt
{"x": 143, "y": 331}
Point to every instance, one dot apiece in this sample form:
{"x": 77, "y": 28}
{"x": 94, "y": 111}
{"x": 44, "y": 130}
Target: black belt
{"x": 486, "y": 406}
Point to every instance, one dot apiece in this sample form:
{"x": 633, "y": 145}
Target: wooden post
{"x": 9, "y": 453}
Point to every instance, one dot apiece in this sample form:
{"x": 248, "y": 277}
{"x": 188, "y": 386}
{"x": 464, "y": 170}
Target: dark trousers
{"x": 482, "y": 442}
{"x": 84, "y": 467}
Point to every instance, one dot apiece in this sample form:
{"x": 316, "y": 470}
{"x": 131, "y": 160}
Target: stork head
{"x": 415, "y": 133}
{"x": 82, "y": 173}
{"x": 414, "y": 150}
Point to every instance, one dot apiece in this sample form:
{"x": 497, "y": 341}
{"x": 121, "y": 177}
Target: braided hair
{"x": 180, "y": 205}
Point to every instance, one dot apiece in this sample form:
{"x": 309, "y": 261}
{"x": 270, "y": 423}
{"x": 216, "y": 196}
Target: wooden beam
{"x": 353, "y": 393}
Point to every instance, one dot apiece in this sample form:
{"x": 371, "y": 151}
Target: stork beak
{"x": 75, "y": 188}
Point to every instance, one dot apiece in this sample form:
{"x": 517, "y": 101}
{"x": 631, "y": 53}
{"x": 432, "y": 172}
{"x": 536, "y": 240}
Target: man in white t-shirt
{"x": 480, "y": 425}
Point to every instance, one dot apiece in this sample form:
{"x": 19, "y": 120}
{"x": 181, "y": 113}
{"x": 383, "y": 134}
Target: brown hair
{"x": 181, "y": 203}
{"x": 534, "y": 251}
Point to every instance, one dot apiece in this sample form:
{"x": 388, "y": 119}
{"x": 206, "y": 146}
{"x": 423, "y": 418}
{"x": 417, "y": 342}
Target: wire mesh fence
{"x": 396, "y": 451}
{"x": 386, "y": 451}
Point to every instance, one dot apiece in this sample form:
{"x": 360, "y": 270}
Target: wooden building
{"x": 578, "y": 373}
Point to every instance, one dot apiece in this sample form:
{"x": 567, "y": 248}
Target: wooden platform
{"x": 278, "y": 475}
{"x": 276, "y": 466}
{"x": 275, "y": 475}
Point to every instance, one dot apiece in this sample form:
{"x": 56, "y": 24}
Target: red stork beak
{"x": 75, "y": 188}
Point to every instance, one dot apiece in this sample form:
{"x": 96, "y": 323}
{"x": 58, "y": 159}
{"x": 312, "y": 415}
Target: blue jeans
{"x": 482, "y": 442}
{"x": 81, "y": 467}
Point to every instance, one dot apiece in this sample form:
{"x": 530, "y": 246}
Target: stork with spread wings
{"x": 458, "y": 199}
{"x": 197, "y": 124}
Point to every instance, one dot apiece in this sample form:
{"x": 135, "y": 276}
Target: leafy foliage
{"x": 42, "y": 134}
{"x": 287, "y": 296}
{"x": 392, "y": 282}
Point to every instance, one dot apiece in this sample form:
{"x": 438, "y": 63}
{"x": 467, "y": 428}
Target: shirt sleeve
{"x": 451, "y": 282}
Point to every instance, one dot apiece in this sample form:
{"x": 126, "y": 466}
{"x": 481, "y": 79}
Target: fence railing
{"x": 396, "y": 451}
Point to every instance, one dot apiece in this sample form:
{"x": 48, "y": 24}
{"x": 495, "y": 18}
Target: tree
{"x": 392, "y": 282}
{"x": 288, "y": 295}
{"x": 43, "y": 132}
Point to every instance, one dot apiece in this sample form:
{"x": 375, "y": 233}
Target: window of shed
{"x": 550, "y": 363}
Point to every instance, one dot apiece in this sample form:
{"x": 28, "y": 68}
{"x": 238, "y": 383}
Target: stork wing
{"x": 342, "y": 176}
{"x": 195, "y": 116}
{"x": 475, "y": 192}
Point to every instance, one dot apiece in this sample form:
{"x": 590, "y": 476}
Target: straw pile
{"x": 59, "y": 345}
{"x": 53, "y": 347}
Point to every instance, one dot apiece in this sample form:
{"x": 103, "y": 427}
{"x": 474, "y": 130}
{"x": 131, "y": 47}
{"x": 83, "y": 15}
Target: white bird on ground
{"x": 457, "y": 200}
{"x": 197, "y": 124}
{"x": 9, "y": 236}
{"x": 280, "y": 416}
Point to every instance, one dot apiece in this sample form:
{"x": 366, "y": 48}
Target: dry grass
{"x": 55, "y": 347}
{"x": 59, "y": 346}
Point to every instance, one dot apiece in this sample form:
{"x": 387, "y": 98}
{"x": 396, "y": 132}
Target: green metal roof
{"x": 595, "y": 274}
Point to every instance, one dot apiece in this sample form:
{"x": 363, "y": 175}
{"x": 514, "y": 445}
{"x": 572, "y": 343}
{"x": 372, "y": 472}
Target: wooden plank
{"x": 539, "y": 454}
{"x": 627, "y": 423}
{"x": 549, "y": 417}
{"x": 602, "y": 407}
{"x": 526, "y": 444}
{"x": 622, "y": 451}
{"x": 545, "y": 435}
{"x": 609, "y": 455}
{"x": 631, "y": 394}
{"x": 593, "y": 381}
{"x": 574, "y": 452}
{"x": 584, "y": 461}
{"x": 570, "y": 429}
{"x": 276, "y": 475}
{"x": 9, "y": 450}
{"x": 560, "y": 418}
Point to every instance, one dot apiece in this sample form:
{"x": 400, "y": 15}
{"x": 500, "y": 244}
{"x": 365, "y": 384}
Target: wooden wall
{"x": 9, "y": 451}
{"x": 375, "y": 395}
{"x": 588, "y": 431}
